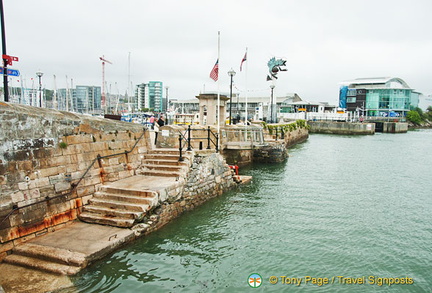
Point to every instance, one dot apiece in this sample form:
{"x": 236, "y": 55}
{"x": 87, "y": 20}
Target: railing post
{"x": 276, "y": 132}
{"x": 180, "y": 149}
{"x": 99, "y": 158}
{"x": 189, "y": 148}
{"x": 217, "y": 142}
{"x": 208, "y": 138}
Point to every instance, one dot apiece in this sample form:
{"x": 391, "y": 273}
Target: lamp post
{"x": 231, "y": 73}
{"x": 272, "y": 86}
{"x": 39, "y": 74}
{"x": 4, "y": 63}
{"x": 166, "y": 102}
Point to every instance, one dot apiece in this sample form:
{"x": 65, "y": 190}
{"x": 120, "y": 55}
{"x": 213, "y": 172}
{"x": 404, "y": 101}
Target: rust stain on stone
{"x": 61, "y": 218}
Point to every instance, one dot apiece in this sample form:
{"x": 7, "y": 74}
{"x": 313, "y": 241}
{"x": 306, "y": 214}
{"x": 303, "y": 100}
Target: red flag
{"x": 243, "y": 60}
{"x": 214, "y": 74}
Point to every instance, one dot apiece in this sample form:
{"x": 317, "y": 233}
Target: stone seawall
{"x": 296, "y": 136}
{"x": 349, "y": 128}
{"x": 209, "y": 177}
{"x": 44, "y": 153}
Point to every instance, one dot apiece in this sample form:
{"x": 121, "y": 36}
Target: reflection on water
{"x": 349, "y": 206}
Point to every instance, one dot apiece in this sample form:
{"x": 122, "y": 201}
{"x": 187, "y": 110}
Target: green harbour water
{"x": 351, "y": 206}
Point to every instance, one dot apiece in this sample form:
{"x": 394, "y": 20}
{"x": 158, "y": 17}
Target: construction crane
{"x": 103, "y": 80}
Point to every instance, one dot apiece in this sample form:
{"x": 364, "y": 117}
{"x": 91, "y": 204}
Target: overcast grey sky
{"x": 175, "y": 41}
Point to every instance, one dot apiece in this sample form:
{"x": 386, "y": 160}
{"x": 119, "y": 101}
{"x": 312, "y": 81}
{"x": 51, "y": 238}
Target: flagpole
{"x": 246, "y": 85}
{"x": 218, "y": 95}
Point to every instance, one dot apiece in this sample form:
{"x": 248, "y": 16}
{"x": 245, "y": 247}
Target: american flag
{"x": 215, "y": 71}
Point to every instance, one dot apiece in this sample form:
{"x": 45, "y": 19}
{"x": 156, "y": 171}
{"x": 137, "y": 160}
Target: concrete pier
{"x": 331, "y": 127}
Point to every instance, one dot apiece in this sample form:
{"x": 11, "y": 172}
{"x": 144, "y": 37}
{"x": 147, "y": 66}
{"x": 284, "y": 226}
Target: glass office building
{"x": 378, "y": 97}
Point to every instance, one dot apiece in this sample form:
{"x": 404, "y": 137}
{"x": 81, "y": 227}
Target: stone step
{"x": 119, "y": 205}
{"x": 123, "y": 214}
{"x": 162, "y": 167}
{"x": 170, "y": 157}
{"x": 43, "y": 265}
{"x": 123, "y": 198}
{"x": 53, "y": 254}
{"x": 106, "y": 220}
{"x": 165, "y": 162}
{"x": 166, "y": 151}
{"x": 161, "y": 173}
{"x": 130, "y": 192}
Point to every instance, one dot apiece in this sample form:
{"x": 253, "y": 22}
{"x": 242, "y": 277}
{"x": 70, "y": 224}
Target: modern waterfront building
{"x": 88, "y": 99}
{"x": 81, "y": 99}
{"x": 378, "y": 97}
{"x": 150, "y": 96}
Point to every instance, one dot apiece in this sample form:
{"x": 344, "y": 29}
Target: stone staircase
{"x": 49, "y": 259}
{"x": 124, "y": 207}
{"x": 118, "y": 207}
{"x": 120, "y": 204}
{"x": 165, "y": 162}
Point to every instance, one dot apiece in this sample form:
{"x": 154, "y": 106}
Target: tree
{"x": 414, "y": 117}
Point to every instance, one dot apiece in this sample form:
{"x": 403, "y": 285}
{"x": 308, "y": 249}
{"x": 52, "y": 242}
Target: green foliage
{"x": 147, "y": 109}
{"x": 414, "y": 117}
{"x": 428, "y": 113}
{"x": 63, "y": 145}
{"x": 272, "y": 128}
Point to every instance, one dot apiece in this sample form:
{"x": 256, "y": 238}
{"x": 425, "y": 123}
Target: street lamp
{"x": 166, "y": 102}
{"x": 39, "y": 74}
{"x": 231, "y": 73}
{"x": 272, "y": 86}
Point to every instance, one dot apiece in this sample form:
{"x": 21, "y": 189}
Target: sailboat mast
{"x": 129, "y": 82}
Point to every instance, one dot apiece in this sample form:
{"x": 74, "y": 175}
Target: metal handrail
{"x": 186, "y": 136}
{"x": 75, "y": 184}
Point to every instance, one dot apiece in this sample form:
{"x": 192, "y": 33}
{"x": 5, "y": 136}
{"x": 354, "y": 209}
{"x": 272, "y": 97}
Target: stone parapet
{"x": 44, "y": 153}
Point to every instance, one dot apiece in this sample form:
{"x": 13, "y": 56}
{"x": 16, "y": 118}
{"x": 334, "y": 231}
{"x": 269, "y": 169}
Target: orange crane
{"x": 103, "y": 80}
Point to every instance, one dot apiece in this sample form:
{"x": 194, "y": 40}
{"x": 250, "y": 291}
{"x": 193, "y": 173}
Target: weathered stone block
{"x": 42, "y": 182}
{"x": 56, "y": 178}
{"x": 30, "y": 194}
{"x": 6, "y": 247}
{"x": 22, "y": 185}
{"x": 62, "y": 186}
{"x": 17, "y": 196}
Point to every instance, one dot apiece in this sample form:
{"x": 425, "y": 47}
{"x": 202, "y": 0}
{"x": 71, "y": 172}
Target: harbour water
{"x": 342, "y": 208}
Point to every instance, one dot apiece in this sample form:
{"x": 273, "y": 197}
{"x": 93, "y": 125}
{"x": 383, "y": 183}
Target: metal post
{"x": 231, "y": 73}
{"x": 5, "y": 61}
{"x": 217, "y": 142}
{"x": 180, "y": 148}
{"x": 39, "y": 74}
{"x": 189, "y": 148}
{"x": 208, "y": 138}
{"x": 271, "y": 104}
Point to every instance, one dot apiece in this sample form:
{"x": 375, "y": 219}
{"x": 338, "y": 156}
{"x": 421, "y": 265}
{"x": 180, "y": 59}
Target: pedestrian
{"x": 161, "y": 121}
{"x": 152, "y": 121}
{"x": 156, "y": 128}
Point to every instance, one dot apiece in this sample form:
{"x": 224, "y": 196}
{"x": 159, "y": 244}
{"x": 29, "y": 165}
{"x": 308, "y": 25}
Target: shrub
{"x": 414, "y": 117}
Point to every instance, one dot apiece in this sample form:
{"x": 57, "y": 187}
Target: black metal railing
{"x": 186, "y": 138}
{"x": 74, "y": 185}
